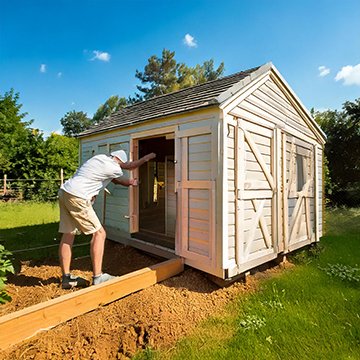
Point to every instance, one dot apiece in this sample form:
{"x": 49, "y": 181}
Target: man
{"x": 76, "y": 197}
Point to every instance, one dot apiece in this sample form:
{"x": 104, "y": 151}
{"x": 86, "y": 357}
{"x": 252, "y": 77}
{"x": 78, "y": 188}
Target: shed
{"x": 238, "y": 177}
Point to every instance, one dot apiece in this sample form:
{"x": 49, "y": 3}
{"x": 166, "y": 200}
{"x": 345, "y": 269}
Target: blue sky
{"x": 63, "y": 55}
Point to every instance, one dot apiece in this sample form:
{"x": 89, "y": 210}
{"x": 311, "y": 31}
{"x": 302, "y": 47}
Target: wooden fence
{"x": 9, "y": 189}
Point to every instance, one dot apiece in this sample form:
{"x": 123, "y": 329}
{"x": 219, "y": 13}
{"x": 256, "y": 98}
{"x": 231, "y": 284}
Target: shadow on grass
{"x": 39, "y": 242}
{"x": 37, "y": 245}
{"x": 341, "y": 221}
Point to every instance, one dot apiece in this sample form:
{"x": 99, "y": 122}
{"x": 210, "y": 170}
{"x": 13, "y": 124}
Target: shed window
{"x": 300, "y": 171}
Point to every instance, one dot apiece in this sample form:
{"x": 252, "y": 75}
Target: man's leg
{"x": 97, "y": 250}
{"x": 65, "y": 252}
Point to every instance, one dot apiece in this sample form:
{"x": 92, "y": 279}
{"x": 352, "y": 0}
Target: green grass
{"x": 309, "y": 312}
{"x": 19, "y": 214}
{"x": 25, "y": 225}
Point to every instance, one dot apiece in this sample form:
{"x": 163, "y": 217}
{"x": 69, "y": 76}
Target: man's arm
{"x": 125, "y": 182}
{"x": 131, "y": 165}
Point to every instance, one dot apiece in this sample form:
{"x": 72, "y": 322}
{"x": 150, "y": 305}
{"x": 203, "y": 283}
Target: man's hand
{"x": 133, "y": 182}
{"x": 149, "y": 156}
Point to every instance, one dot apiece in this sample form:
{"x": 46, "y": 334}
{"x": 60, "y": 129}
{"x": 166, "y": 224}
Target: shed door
{"x": 299, "y": 202}
{"x": 257, "y": 186}
{"x": 195, "y": 177}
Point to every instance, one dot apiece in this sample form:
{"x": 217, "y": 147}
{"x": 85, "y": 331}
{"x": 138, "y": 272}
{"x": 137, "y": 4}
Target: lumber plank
{"x": 22, "y": 324}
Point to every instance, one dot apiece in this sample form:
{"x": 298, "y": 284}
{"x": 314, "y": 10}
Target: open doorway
{"x": 157, "y": 198}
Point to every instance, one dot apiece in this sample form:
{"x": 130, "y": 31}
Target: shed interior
{"x": 157, "y": 198}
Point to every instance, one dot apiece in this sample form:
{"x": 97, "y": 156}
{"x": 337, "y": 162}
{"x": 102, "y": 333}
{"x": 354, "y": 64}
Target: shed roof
{"x": 208, "y": 94}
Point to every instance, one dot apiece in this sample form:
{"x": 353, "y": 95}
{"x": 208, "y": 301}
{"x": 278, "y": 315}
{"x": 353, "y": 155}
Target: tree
{"x": 112, "y": 104}
{"x": 342, "y": 151}
{"x": 21, "y": 146}
{"x": 24, "y": 154}
{"x": 164, "y": 75}
{"x": 206, "y": 72}
{"x": 74, "y": 122}
{"x": 13, "y": 130}
{"x": 61, "y": 153}
{"x": 160, "y": 74}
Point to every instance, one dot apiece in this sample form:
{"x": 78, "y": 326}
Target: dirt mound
{"x": 155, "y": 317}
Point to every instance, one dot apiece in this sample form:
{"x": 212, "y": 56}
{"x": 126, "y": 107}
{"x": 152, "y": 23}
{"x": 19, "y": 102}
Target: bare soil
{"x": 155, "y": 317}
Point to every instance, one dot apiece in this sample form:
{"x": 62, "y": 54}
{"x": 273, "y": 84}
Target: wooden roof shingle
{"x": 195, "y": 97}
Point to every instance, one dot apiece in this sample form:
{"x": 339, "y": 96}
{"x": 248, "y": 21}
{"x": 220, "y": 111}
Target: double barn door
{"x": 274, "y": 192}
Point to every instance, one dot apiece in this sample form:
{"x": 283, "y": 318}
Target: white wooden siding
{"x": 268, "y": 104}
{"x": 86, "y": 153}
{"x": 112, "y": 209}
{"x": 200, "y": 157}
{"x": 199, "y": 225}
{"x": 99, "y": 205}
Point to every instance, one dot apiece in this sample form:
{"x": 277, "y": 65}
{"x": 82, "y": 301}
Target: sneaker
{"x": 102, "y": 278}
{"x": 71, "y": 281}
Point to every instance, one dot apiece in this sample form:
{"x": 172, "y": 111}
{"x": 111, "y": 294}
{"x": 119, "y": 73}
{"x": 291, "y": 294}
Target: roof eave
{"x": 233, "y": 90}
{"x": 158, "y": 117}
{"x": 300, "y": 105}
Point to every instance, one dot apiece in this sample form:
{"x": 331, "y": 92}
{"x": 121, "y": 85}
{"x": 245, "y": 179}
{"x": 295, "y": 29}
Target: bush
{"x": 5, "y": 267}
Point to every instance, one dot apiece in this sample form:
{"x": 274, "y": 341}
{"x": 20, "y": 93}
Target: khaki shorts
{"x": 76, "y": 215}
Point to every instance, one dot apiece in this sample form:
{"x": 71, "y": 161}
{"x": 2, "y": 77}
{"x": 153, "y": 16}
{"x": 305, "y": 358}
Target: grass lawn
{"x": 310, "y": 311}
{"x": 27, "y": 225}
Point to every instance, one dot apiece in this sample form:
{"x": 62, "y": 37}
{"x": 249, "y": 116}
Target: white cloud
{"x": 43, "y": 68}
{"x": 101, "y": 55}
{"x": 190, "y": 41}
{"x": 59, "y": 74}
{"x": 350, "y": 74}
{"x": 323, "y": 71}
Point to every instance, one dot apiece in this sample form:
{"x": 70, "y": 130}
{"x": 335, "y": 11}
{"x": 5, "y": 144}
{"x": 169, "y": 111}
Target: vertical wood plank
{"x": 225, "y": 201}
{"x": 184, "y": 220}
{"x": 276, "y": 200}
{"x": 285, "y": 205}
{"x": 316, "y": 193}
{"x": 134, "y": 190}
{"x": 239, "y": 191}
{"x": 308, "y": 218}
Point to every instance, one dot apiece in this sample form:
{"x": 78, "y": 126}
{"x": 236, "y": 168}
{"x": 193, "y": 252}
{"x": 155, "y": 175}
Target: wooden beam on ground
{"x": 22, "y": 324}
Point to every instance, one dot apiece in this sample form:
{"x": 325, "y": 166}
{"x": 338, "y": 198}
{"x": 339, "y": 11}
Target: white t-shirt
{"x": 92, "y": 176}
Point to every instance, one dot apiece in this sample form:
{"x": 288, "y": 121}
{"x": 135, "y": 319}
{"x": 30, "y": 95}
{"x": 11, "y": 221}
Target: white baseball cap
{"x": 120, "y": 154}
